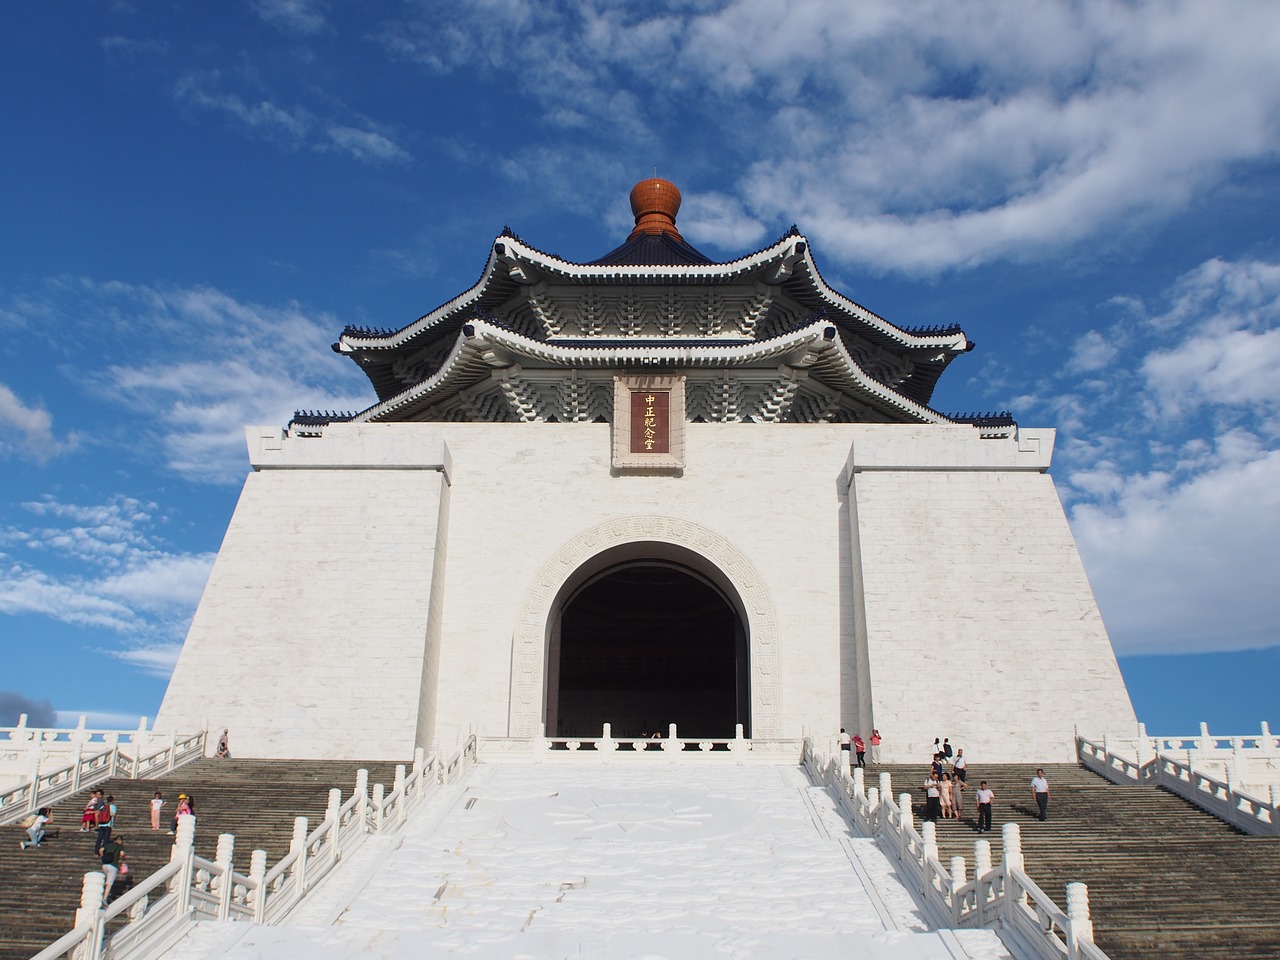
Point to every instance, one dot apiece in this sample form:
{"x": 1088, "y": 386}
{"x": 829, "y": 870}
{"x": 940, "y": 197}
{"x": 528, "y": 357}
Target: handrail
{"x": 196, "y": 888}
{"x": 1221, "y": 798}
{"x": 1000, "y": 896}
{"x": 54, "y": 786}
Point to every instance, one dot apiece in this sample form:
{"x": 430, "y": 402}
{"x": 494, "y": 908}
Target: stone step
{"x": 254, "y": 800}
{"x": 1165, "y": 879}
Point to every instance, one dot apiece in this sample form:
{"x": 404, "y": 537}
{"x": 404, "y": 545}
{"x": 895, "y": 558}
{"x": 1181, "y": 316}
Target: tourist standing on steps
{"x": 844, "y": 748}
{"x": 961, "y": 767}
{"x": 933, "y": 800}
{"x": 944, "y": 796}
{"x": 958, "y": 788}
{"x": 984, "y": 796}
{"x": 184, "y": 807}
{"x": 112, "y": 856}
{"x": 946, "y": 749}
{"x": 859, "y": 749}
{"x": 224, "y": 748}
{"x": 89, "y": 820}
{"x": 36, "y": 830}
{"x": 1040, "y": 791}
{"x": 106, "y": 820}
{"x": 156, "y": 803}
{"x": 875, "y": 745}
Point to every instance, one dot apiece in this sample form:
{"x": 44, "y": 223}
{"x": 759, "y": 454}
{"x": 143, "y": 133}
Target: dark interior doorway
{"x": 645, "y": 644}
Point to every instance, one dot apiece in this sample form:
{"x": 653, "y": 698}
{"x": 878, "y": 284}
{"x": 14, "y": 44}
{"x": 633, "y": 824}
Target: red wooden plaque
{"x": 650, "y": 421}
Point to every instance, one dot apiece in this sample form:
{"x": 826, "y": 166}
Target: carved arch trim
{"x": 529, "y": 644}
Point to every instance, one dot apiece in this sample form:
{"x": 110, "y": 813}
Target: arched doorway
{"x": 643, "y": 643}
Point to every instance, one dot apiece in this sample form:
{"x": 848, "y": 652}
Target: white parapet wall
{"x": 311, "y": 638}
{"x": 916, "y": 578}
{"x": 981, "y": 625}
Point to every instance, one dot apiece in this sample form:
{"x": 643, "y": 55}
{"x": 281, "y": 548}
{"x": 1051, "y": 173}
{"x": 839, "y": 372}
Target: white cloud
{"x": 304, "y": 17}
{"x": 916, "y": 137}
{"x": 288, "y": 126}
{"x": 1190, "y": 565}
{"x": 367, "y": 145}
{"x": 29, "y": 430}
{"x": 1171, "y": 461}
{"x": 718, "y": 219}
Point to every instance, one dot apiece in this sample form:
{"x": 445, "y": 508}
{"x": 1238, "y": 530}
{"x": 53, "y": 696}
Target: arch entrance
{"x": 622, "y": 541}
{"x": 643, "y": 643}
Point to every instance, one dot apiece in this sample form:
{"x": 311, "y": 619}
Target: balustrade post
{"x": 859, "y": 782}
{"x": 872, "y": 810}
{"x": 981, "y": 883}
{"x": 333, "y": 816}
{"x": 1205, "y": 742}
{"x": 257, "y": 873}
{"x": 419, "y": 758}
{"x": 739, "y": 743}
{"x": 173, "y": 751}
{"x": 958, "y": 879}
{"x": 77, "y": 754}
{"x": 362, "y": 804}
{"x": 92, "y": 889}
{"x": 1237, "y": 759}
{"x": 183, "y": 851}
{"x": 1011, "y": 837}
{"x": 607, "y": 746}
{"x": 223, "y": 857}
{"x": 401, "y": 806}
{"x": 298, "y": 845}
{"x": 886, "y": 784}
{"x": 33, "y": 765}
{"x": 929, "y": 853}
{"x": 672, "y": 743}
{"x": 79, "y": 733}
{"x": 1079, "y": 926}
{"x": 906, "y": 820}
{"x": 140, "y": 742}
{"x": 1268, "y": 746}
{"x": 377, "y": 808}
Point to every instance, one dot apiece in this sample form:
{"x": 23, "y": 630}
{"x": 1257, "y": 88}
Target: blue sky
{"x": 196, "y": 198}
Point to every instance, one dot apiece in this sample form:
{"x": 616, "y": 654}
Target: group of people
{"x": 947, "y": 782}
{"x": 857, "y": 747}
{"x": 99, "y": 818}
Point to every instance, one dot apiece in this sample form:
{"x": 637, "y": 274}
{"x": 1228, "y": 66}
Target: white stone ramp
{"x": 611, "y": 862}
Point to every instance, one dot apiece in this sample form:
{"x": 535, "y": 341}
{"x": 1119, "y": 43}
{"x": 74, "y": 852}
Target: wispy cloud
{"x": 301, "y": 17}
{"x": 28, "y": 430}
{"x": 1171, "y": 460}
{"x": 367, "y": 145}
{"x": 102, "y": 566}
{"x": 913, "y": 137}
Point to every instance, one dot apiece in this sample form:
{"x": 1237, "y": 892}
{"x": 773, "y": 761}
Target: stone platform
{"x": 543, "y": 861}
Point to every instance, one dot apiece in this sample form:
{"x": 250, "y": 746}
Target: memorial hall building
{"x": 645, "y": 490}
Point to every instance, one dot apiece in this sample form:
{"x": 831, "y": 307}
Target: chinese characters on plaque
{"x": 650, "y": 421}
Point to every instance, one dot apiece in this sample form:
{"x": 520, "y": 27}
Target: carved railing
{"x": 89, "y": 768}
{"x": 1181, "y": 776}
{"x": 156, "y": 912}
{"x": 669, "y": 749}
{"x": 999, "y": 896}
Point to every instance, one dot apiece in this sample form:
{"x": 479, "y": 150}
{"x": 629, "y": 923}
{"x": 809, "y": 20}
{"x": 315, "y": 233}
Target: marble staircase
{"x": 1165, "y": 879}
{"x": 256, "y": 800}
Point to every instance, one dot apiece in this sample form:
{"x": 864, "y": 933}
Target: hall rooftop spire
{"x": 758, "y": 338}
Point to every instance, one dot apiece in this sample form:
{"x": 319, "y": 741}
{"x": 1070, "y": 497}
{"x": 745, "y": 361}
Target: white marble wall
{"x": 314, "y": 626}
{"x": 310, "y": 639}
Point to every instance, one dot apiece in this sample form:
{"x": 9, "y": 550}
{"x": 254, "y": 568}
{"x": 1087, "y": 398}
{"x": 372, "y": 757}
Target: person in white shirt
{"x": 36, "y": 830}
{"x": 933, "y": 799}
{"x": 845, "y": 740}
{"x": 961, "y": 766}
{"x": 984, "y": 796}
{"x": 1040, "y": 792}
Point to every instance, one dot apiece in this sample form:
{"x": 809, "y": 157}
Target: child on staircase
{"x": 156, "y": 803}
